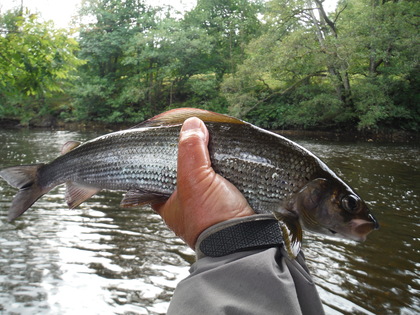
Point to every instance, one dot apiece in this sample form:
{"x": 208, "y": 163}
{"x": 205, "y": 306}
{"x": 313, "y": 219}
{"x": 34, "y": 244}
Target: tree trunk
{"x": 324, "y": 27}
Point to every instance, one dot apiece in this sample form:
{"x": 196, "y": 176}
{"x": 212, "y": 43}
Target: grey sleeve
{"x": 263, "y": 281}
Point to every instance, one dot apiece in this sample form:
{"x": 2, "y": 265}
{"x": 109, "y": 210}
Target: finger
{"x": 192, "y": 156}
{"x": 193, "y": 153}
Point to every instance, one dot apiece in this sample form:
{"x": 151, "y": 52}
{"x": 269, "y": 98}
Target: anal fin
{"x": 138, "y": 198}
{"x": 77, "y": 194}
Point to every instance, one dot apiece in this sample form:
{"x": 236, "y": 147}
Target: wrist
{"x": 239, "y": 234}
{"x": 199, "y": 227}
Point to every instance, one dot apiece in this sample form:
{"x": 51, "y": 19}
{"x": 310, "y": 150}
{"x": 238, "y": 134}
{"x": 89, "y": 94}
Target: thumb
{"x": 193, "y": 155}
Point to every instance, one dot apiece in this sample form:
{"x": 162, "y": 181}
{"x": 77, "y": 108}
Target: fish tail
{"x": 25, "y": 178}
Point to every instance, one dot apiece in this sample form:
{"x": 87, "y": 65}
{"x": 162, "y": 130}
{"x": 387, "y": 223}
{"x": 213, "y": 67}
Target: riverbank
{"x": 394, "y": 136}
{"x": 389, "y": 135}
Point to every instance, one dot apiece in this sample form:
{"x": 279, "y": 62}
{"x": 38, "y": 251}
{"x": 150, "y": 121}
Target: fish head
{"x": 328, "y": 206}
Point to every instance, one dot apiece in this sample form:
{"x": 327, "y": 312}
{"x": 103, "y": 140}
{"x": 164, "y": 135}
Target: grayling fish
{"x": 275, "y": 174}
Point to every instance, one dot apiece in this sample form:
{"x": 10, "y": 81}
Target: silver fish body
{"x": 275, "y": 174}
{"x": 145, "y": 160}
{"x": 135, "y": 159}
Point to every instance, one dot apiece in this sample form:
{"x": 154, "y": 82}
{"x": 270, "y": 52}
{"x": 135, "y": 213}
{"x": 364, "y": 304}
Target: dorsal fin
{"x": 179, "y": 115}
{"x": 68, "y": 146}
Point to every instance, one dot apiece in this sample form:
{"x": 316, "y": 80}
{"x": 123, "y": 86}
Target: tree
{"x": 103, "y": 43}
{"x": 382, "y": 38}
{"x": 165, "y": 58}
{"x": 346, "y": 68}
{"x": 142, "y": 60}
{"x": 36, "y": 62}
{"x": 295, "y": 52}
{"x": 230, "y": 25}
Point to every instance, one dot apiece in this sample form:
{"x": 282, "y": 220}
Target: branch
{"x": 339, "y": 12}
{"x": 290, "y": 88}
{"x": 295, "y": 14}
{"x": 330, "y": 23}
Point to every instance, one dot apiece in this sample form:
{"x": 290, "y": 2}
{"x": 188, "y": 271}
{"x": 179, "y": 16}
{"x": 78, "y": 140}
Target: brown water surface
{"x": 102, "y": 259}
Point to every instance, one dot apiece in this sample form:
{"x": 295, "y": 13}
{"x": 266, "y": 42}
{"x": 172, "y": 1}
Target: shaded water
{"x": 102, "y": 259}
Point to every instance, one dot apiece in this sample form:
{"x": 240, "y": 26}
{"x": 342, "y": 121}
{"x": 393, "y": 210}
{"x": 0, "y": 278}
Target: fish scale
{"x": 118, "y": 162}
{"x": 269, "y": 159}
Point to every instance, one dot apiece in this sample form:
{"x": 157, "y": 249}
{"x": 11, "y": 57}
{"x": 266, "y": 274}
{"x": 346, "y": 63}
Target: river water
{"x": 102, "y": 259}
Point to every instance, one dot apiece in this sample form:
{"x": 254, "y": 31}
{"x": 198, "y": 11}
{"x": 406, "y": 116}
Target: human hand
{"x": 202, "y": 197}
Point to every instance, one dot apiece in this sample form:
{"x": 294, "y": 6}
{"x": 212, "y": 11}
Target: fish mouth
{"x": 356, "y": 230}
{"x": 359, "y": 229}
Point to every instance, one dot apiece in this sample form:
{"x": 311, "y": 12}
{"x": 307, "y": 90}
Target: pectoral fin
{"x": 77, "y": 194}
{"x": 138, "y": 198}
{"x": 292, "y": 233}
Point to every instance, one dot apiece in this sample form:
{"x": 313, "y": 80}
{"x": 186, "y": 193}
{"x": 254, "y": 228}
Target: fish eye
{"x": 350, "y": 203}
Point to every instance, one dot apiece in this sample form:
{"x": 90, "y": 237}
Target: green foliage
{"x": 278, "y": 63}
{"x": 229, "y": 24}
{"x": 204, "y": 93}
{"x": 36, "y": 63}
{"x": 376, "y": 104}
{"x": 308, "y": 106}
{"x": 384, "y": 55}
{"x": 102, "y": 91}
{"x": 142, "y": 60}
{"x": 353, "y": 68}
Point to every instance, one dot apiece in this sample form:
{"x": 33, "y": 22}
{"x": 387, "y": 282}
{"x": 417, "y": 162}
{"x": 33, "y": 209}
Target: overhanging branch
{"x": 289, "y": 89}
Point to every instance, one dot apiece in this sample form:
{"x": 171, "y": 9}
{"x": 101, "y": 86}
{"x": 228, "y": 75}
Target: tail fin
{"x": 23, "y": 177}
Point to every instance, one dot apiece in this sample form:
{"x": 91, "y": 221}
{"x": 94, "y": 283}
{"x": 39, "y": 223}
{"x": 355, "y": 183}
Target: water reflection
{"x": 102, "y": 259}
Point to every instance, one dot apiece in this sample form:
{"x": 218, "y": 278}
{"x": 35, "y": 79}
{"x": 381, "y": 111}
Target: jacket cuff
{"x": 239, "y": 234}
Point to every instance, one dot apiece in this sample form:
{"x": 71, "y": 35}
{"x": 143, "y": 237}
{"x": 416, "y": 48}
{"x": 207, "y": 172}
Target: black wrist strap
{"x": 259, "y": 231}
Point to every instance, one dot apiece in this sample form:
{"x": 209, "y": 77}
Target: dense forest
{"x": 280, "y": 63}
